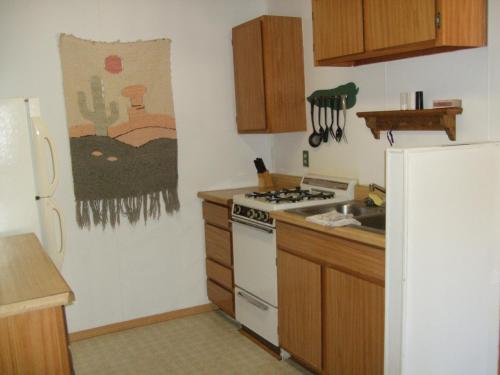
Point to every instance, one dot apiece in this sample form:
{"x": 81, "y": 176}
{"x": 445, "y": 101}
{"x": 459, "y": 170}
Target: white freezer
{"x": 28, "y": 169}
{"x": 18, "y": 208}
{"x": 442, "y": 260}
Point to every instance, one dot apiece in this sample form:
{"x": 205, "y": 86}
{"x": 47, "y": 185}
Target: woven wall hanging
{"x": 121, "y": 123}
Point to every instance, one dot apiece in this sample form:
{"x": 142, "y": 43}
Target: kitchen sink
{"x": 373, "y": 222}
{"x": 372, "y": 218}
{"x": 358, "y": 208}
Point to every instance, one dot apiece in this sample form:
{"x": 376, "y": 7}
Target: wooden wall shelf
{"x": 440, "y": 119}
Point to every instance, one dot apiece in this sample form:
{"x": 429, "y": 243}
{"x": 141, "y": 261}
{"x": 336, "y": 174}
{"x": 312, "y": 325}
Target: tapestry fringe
{"x": 108, "y": 211}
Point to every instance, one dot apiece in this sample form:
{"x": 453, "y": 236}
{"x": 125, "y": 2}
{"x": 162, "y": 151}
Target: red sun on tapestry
{"x": 113, "y": 64}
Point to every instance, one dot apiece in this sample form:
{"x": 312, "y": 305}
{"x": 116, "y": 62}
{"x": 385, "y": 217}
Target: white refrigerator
{"x": 442, "y": 260}
{"x": 29, "y": 176}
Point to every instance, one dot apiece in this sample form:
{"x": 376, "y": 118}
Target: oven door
{"x": 254, "y": 251}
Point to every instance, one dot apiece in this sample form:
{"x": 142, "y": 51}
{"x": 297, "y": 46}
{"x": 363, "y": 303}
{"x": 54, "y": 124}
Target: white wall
{"x": 472, "y": 75}
{"x": 136, "y": 271}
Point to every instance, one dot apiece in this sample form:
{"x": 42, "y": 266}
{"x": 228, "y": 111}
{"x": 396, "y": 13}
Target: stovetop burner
{"x": 289, "y": 195}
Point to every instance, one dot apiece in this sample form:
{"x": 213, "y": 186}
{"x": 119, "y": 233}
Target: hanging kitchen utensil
{"x": 325, "y": 133}
{"x": 338, "y": 132}
{"x": 343, "y": 99}
{"x": 321, "y": 130}
{"x": 315, "y": 138}
{"x": 332, "y": 117}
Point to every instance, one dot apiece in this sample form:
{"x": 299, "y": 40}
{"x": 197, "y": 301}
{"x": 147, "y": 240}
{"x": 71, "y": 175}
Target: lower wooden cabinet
{"x": 219, "y": 256}
{"x": 218, "y": 245}
{"x": 220, "y": 274}
{"x": 221, "y": 297}
{"x": 299, "y": 313}
{"x": 353, "y": 325}
{"x": 331, "y": 302}
{"x": 35, "y": 342}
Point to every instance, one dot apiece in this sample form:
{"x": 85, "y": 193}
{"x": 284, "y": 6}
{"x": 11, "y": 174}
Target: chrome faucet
{"x": 373, "y": 187}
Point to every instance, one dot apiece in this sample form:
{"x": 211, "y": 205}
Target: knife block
{"x": 265, "y": 180}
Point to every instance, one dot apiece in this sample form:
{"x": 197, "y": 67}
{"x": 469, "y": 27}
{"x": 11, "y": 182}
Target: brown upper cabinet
{"x": 356, "y": 32}
{"x": 269, "y": 75}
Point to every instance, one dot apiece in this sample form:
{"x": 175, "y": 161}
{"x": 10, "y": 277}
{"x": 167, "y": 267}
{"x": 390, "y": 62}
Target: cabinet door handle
{"x": 253, "y": 301}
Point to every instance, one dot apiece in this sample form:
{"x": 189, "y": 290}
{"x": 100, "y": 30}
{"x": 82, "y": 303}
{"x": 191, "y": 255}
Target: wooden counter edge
{"x": 213, "y": 197}
{"x": 349, "y": 233}
{"x": 22, "y": 307}
{"x": 225, "y": 196}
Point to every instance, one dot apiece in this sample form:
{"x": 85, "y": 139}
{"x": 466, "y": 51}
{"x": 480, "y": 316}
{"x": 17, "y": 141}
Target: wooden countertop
{"x": 225, "y": 196}
{"x": 355, "y": 234}
{"x": 28, "y": 278}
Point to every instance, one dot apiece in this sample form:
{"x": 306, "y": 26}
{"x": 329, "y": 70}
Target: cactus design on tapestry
{"x": 122, "y": 129}
{"x": 98, "y": 116}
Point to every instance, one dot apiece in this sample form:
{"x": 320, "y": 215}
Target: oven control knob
{"x": 265, "y": 217}
{"x": 237, "y": 209}
{"x": 251, "y": 213}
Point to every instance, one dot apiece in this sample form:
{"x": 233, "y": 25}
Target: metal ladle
{"x": 315, "y": 138}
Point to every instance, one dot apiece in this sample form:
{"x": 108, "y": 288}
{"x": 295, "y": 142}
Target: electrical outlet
{"x": 305, "y": 158}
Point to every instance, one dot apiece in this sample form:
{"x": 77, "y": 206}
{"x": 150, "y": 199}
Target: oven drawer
{"x": 257, "y": 315}
{"x": 218, "y": 245}
{"x": 221, "y": 297}
{"x": 216, "y": 215}
{"x": 220, "y": 274}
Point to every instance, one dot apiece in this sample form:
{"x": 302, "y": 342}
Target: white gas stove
{"x": 313, "y": 190}
{"x": 254, "y": 246}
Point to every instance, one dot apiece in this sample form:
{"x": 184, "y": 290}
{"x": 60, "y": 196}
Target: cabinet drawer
{"x": 218, "y": 245}
{"x": 216, "y": 215}
{"x": 221, "y": 297}
{"x": 222, "y": 275}
{"x": 359, "y": 259}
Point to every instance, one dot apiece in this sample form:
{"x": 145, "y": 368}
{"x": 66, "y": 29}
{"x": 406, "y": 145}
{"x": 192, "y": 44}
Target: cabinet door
{"x": 249, "y": 77}
{"x": 337, "y": 27}
{"x": 390, "y": 23}
{"x": 299, "y": 308}
{"x": 284, "y": 74}
{"x": 354, "y": 325}
{"x": 35, "y": 343}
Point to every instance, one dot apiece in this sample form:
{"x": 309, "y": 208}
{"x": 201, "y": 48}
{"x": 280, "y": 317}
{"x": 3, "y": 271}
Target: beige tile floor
{"x": 207, "y": 343}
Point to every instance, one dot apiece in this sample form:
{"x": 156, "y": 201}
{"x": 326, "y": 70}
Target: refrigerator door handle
{"x": 62, "y": 248}
{"x": 55, "y": 249}
{"x": 48, "y": 186}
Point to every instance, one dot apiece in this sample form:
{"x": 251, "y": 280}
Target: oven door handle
{"x": 256, "y": 226}
{"x": 253, "y": 301}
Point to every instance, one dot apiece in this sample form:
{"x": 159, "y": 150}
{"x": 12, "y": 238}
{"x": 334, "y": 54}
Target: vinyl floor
{"x": 207, "y": 343}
